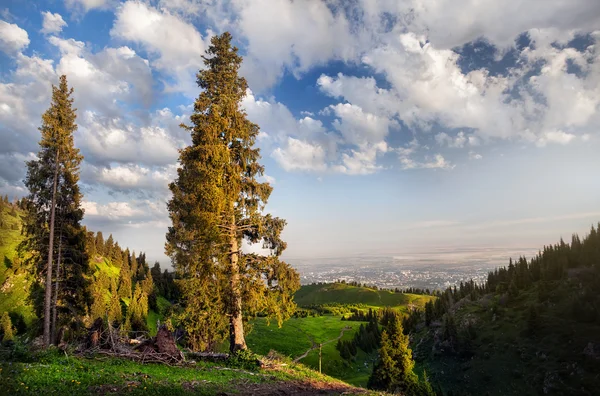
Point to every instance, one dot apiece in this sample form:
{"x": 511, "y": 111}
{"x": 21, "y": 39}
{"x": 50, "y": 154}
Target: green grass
{"x": 341, "y": 293}
{"x": 154, "y": 316}
{"x": 295, "y": 337}
{"x": 55, "y": 373}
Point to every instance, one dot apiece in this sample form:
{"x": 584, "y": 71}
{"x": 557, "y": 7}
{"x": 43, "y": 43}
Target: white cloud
{"x": 558, "y": 137}
{"x": 300, "y": 155}
{"x": 291, "y": 35}
{"x": 13, "y": 39}
{"x": 436, "y": 162}
{"x": 458, "y": 141}
{"x": 362, "y": 162}
{"x": 83, "y": 6}
{"x": 362, "y": 92}
{"x": 53, "y": 23}
{"x": 177, "y": 46}
{"x": 113, "y": 140}
{"x": 101, "y": 79}
{"x": 112, "y": 210}
{"x": 358, "y": 127}
{"x": 133, "y": 177}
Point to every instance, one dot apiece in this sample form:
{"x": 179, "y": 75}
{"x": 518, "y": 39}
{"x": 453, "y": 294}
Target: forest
{"x": 223, "y": 320}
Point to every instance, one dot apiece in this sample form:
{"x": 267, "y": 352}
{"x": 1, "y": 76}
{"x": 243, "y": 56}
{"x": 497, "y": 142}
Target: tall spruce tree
{"x": 394, "y": 370}
{"x": 217, "y": 202}
{"x": 54, "y": 198}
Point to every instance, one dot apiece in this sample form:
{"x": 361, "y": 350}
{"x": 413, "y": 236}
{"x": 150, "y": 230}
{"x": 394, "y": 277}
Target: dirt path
{"x": 315, "y": 345}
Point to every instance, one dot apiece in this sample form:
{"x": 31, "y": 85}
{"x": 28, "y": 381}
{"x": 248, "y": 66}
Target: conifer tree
{"x": 6, "y": 327}
{"x": 217, "y": 202}
{"x": 54, "y": 198}
{"x": 394, "y": 370}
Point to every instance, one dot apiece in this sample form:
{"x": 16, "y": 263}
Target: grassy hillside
{"x": 54, "y": 373}
{"x": 14, "y": 281}
{"x": 341, "y": 293}
{"x": 300, "y": 335}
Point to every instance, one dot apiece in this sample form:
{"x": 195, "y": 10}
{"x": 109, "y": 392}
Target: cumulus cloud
{"x": 103, "y": 79}
{"x": 107, "y": 140}
{"x": 300, "y": 155}
{"x": 289, "y": 35}
{"x": 13, "y": 39}
{"x": 176, "y": 45}
{"x": 53, "y": 23}
{"x": 135, "y": 178}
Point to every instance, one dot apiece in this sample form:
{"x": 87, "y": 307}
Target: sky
{"x": 386, "y": 126}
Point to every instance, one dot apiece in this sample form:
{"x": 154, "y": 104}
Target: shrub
{"x": 245, "y": 359}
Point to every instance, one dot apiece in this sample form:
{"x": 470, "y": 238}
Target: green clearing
{"x": 296, "y": 336}
{"x": 344, "y": 294}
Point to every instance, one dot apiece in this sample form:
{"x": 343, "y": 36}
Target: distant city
{"x": 433, "y": 270}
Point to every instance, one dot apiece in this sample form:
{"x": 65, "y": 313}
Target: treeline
{"x": 366, "y": 338}
{"x": 408, "y": 290}
{"x": 579, "y": 260}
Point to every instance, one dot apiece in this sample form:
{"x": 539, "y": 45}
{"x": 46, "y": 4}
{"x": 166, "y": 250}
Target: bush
{"x": 245, "y": 359}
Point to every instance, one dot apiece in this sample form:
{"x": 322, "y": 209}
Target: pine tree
{"x": 54, "y": 198}
{"x": 394, "y": 370}
{"x": 100, "y": 243}
{"x": 217, "y": 202}
{"x": 6, "y": 327}
{"x": 114, "y": 307}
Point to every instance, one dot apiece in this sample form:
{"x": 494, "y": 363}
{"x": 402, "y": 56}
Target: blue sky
{"x": 387, "y": 126}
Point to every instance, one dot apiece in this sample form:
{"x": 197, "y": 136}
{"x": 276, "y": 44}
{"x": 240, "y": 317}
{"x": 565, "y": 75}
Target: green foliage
{"x": 244, "y": 359}
{"x": 57, "y": 161}
{"x": 217, "y": 203}
{"x": 6, "y": 328}
{"x": 394, "y": 370}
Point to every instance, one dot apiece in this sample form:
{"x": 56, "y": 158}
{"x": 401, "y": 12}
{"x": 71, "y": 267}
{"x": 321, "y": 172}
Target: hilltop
{"x": 346, "y": 294}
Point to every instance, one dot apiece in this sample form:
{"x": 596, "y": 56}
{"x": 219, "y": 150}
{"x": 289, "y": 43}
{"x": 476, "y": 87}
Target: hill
{"x": 533, "y": 328}
{"x": 53, "y": 372}
{"x": 298, "y": 338}
{"x": 346, "y": 294}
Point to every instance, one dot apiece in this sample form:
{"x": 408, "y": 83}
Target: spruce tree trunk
{"x": 55, "y": 299}
{"x": 237, "y": 341}
{"x": 48, "y": 295}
